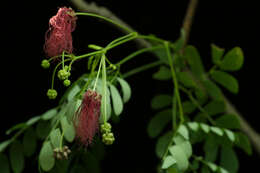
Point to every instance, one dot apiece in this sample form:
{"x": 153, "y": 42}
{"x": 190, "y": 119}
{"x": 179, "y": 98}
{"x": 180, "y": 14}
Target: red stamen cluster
{"x": 87, "y": 117}
{"x": 58, "y": 37}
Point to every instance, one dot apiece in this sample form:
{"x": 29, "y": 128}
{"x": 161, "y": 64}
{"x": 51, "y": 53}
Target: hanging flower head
{"x": 87, "y": 117}
{"x": 58, "y": 37}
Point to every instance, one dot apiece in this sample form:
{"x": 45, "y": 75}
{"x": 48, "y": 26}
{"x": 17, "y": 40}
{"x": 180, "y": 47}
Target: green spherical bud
{"x": 108, "y": 138}
{"x": 52, "y": 93}
{"x": 106, "y": 127}
{"x": 45, "y": 63}
{"x": 66, "y": 82}
{"x": 63, "y": 74}
{"x": 112, "y": 66}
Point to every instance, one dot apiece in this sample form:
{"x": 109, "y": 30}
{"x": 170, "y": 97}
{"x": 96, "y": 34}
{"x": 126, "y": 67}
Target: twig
{"x": 187, "y": 22}
{"x": 93, "y": 8}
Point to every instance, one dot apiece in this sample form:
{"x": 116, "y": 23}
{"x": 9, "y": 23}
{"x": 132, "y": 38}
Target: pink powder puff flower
{"x": 58, "y": 38}
{"x": 87, "y": 117}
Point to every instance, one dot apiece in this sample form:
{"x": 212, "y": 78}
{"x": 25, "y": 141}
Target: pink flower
{"x": 87, "y": 117}
{"x": 58, "y": 37}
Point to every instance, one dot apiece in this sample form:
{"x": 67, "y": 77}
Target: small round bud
{"x": 112, "y": 66}
{"x": 66, "y": 82}
{"x": 52, "y": 93}
{"x": 45, "y": 63}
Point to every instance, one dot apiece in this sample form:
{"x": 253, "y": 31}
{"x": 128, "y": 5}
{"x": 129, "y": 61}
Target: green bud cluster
{"x": 107, "y": 136}
{"x": 45, "y": 63}
{"x": 52, "y": 93}
{"x": 63, "y": 74}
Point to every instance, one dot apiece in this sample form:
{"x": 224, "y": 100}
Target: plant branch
{"x": 187, "y": 22}
{"x": 93, "y": 8}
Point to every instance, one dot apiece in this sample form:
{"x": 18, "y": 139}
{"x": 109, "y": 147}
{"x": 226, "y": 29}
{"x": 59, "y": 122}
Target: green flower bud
{"x": 108, "y": 138}
{"x": 45, "y": 63}
{"x": 52, "y": 93}
{"x": 63, "y": 74}
{"x": 106, "y": 127}
{"x": 112, "y": 66}
{"x": 66, "y": 82}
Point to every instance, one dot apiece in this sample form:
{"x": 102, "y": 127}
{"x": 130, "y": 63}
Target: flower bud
{"x": 45, "y": 64}
{"x": 106, "y": 127}
{"x": 66, "y": 82}
{"x": 63, "y": 74}
{"x": 52, "y": 93}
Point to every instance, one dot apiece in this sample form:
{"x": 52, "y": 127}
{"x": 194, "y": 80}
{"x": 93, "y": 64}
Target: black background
{"x": 24, "y": 83}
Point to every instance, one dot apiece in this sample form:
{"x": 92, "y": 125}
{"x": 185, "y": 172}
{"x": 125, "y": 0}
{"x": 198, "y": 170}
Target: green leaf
{"x": 243, "y": 143}
{"x": 158, "y": 123}
{"x": 233, "y": 60}
{"x": 125, "y": 88}
{"x": 49, "y": 114}
{"x": 15, "y": 127}
{"x": 213, "y": 167}
{"x": 193, "y": 126}
{"x": 29, "y": 142}
{"x": 4, "y": 164}
{"x": 178, "y": 45}
{"x": 68, "y": 129}
{"x": 33, "y": 120}
{"x": 194, "y": 61}
{"x": 222, "y": 170}
{"x": 213, "y": 90}
{"x": 201, "y": 96}
{"x": 204, "y": 127}
{"x": 168, "y": 161}
{"x": 162, "y": 55}
{"x": 184, "y": 144}
{"x": 186, "y": 79}
{"x": 188, "y": 107}
{"x": 162, "y": 144}
{"x": 42, "y": 129}
{"x": 211, "y": 148}
{"x": 164, "y": 73}
{"x": 180, "y": 157}
{"x": 108, "y": 102}
{"x": 55, "y": 137}
{"x": 161, "y": 101}
{"x": 230, "y": 135}
{"x": 72, "y": 106}
{"x": 73, "y": 92}
{"x": 229, "y": 160}
{"x": 117, "y": 100}
{"x": 216, "y": 53}
{"x": 4, "y": 144}
{"x": 16, "y": 157}
{"x": 46, "y": 157}
{"x": 183, "y": 131}
{"x": 228, "y": 121}
{"x": 226, "y": 80}
{"x": 217, "y": 130}
{"x": 215, "y": 107}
